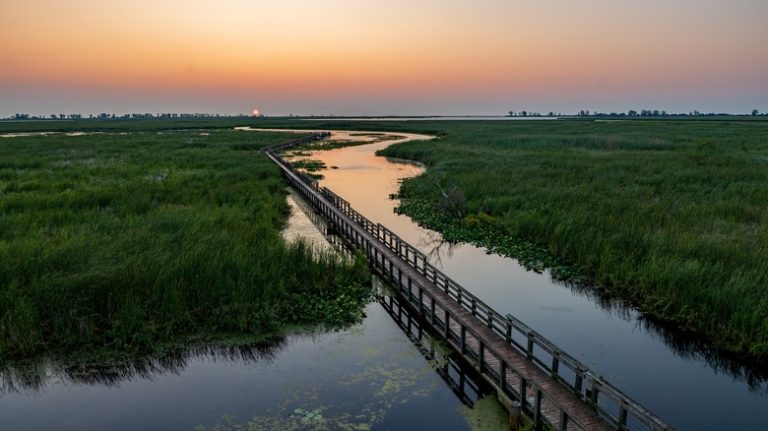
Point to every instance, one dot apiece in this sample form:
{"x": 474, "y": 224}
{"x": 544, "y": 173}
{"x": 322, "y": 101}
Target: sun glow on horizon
{"x": 357, "y": 57}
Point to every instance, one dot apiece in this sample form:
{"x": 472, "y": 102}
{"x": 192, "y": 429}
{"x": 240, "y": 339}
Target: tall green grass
{"x": 671, "y": 214}
{"x": 125, "y": 240}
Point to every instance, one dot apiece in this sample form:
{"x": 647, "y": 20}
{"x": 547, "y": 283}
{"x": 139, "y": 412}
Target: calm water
{"x": 668, "y": 372}
{"x": 383, "y": 373}
{"x": 368, "y": 376}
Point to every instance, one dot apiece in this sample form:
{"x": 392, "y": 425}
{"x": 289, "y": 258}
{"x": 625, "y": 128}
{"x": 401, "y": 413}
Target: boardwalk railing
{"x": 612, "y": 406}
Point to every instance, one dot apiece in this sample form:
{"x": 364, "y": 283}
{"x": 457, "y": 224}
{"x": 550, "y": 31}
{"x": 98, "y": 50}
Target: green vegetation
{"x": 486, "y": 415}
{"x": 125, "y": 240}
{"x": 669, "y": 214}
{"x": 309, "y": 167}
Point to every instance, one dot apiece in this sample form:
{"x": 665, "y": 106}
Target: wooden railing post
{"x": 481, "y": 352}
{"x": 529, "y": 349}
{"x": 447, "y": 326}
{"x": 623, "y": 415}
{"x": 523, "y": 390}
{"x": 432, "y": 309}
{"x": 577, "y": 385}
{"x": 421, "y": 301}
{"x": 537, "y": 422}
{"x": 503, "y": 375}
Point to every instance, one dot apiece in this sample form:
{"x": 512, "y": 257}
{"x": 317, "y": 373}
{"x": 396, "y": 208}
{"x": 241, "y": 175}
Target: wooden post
{"x": 432, "y": 310}
{"x": 480, "y": 356}
{"x": 515, "y": 416}
{"x": 447, "y": 327}
{"x": 537, "y": 422}
{"x": 578, "y": 383}
{"x": 383, "y": 263}
{"x": 555, "y": 363}
{"x": 623, "y": 415}
{"x": 421, "y": 301}
{"x": 593, "y": 393}
{"x": 502, "y": 375}
{"x": 410, "y": 319}
{"x": 529, "y": 351}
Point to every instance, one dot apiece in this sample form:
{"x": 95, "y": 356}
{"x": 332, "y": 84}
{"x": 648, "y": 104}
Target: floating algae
{"x": 486, "y": 415}
{"x": 390, "y": 383}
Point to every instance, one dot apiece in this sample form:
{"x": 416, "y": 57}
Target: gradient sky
{"x": 370, "y": 57}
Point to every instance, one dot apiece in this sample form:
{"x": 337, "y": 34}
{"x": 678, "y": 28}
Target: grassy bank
{"x": 670, "y": 214}
{"x": 123, "y": 240}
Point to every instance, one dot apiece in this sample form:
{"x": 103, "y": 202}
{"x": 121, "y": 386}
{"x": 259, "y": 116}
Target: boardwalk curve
{"x": 554, "y": 389}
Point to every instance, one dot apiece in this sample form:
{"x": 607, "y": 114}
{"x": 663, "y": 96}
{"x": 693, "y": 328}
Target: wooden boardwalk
{"x": 553, "y": 389}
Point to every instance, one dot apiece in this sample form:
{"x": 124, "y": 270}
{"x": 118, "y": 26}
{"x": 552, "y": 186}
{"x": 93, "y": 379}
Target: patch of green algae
{"x": 486, "y": 415}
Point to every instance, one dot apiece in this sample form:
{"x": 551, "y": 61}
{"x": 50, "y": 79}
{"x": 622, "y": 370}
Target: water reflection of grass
{"x": 380, "y": 385}
{"x": 109, "y": 367}
{"x": 387, "y": 375}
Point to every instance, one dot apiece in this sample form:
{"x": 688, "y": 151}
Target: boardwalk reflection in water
{"x": 368, "y": 375}
{"x": 669, "y": 371}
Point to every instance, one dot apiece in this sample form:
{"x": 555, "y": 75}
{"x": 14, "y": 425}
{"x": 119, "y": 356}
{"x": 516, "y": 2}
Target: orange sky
{"x": 412, "y": 57}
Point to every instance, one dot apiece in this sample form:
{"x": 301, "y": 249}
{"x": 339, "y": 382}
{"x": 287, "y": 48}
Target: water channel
{"x": 671, "y": 373}
{"x": 382, "y": 373}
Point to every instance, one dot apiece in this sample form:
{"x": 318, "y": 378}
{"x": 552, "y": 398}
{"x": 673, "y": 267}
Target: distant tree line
{"x": 106, "y": 116}
{"x": 630, "y": 113}
{"x": 533, "y": 114}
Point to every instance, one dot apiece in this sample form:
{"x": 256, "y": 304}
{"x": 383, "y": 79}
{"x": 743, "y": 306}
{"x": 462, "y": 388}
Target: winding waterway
{"x": 671, "y": 373}
{"x": 378, "y": 374}
{"x": 382, "y": 373}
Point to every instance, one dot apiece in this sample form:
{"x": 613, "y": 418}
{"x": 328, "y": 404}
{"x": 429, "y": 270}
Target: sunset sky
{"x": 358, "y": 57}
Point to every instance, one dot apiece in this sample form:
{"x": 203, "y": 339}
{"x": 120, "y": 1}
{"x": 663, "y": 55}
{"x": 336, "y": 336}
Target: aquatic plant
{"x": 668, "y": 214}
{"x": 126, "y": 240}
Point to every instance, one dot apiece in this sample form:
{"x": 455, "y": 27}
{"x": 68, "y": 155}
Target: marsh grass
{"x": 673, "y": 215}
{"x": 124, "y": 240}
